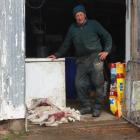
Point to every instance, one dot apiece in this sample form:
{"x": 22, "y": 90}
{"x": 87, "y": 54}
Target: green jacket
{"x": 87, "y": 39}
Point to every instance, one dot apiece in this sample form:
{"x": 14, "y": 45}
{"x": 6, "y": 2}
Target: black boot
{"x": 85, "y": 110}
{"x": 96, "y": 113}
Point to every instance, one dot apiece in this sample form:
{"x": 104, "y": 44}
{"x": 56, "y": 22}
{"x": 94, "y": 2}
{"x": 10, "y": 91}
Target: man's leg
{"x": 82, "y": 85}
{"x": 97, "y": 78}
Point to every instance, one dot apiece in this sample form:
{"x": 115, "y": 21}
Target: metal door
{"x": 12, "y": 59}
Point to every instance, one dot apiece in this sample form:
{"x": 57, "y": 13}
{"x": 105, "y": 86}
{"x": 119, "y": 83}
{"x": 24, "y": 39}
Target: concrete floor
{"x": 106, "y": 127}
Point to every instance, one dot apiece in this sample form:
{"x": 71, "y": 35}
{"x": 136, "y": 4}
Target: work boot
{"x": 85, "y": 110}
{"x": 96, "y": 113}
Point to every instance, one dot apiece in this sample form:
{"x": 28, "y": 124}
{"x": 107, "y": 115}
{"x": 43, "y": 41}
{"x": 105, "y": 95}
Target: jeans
{"x": 90, "y": 73}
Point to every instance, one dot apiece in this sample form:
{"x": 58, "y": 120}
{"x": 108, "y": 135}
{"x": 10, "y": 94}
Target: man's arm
{"x": 65, "y": 46}
{"x": 106, "y": 40}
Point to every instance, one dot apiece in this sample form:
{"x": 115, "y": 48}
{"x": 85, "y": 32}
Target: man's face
{"x": 80, "y": 17}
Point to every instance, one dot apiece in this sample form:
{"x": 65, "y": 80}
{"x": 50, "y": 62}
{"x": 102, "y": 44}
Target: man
{"x": 87, "y": 36}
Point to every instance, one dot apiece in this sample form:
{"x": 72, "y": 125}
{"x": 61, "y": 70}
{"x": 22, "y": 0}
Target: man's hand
{"x": 53, "y": 57}
{"x": 103, "y": 55}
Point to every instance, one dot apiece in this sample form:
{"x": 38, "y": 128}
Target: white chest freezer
{"x": 45, "y": 79}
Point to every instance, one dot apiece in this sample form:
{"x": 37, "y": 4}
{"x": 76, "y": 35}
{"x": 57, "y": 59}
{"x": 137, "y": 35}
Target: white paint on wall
{"x": 10, "y": 6}
{"x": 16, "y": 40}
{"x": 22, "y": 42}
{"x": 10, "y": 112}
{"x": 4, "y": 54}
{"x": 12, "y": 17}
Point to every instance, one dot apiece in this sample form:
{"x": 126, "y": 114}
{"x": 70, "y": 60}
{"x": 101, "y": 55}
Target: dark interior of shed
{"x": 47, "y": 22}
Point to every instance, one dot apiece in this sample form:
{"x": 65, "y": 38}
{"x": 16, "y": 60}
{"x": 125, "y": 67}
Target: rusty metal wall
{"x": 12, "y": 44}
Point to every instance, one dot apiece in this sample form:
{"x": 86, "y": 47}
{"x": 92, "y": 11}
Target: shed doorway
{"x": 47, "y": 22}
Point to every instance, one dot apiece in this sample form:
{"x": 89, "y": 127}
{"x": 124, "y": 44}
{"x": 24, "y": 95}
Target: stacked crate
{"x": 117, "y": 71}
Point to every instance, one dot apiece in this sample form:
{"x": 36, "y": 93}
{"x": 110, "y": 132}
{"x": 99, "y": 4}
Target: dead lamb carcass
{"x": 48, "y": 114}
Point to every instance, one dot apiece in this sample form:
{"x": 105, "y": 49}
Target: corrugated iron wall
{"x": 12, "y": 44}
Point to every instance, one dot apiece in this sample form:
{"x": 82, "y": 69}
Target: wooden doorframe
{"x": 134, "y": 29}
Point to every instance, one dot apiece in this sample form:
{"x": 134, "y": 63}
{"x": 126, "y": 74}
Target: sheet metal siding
{"x": 12, "y": 59}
